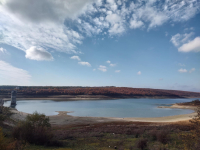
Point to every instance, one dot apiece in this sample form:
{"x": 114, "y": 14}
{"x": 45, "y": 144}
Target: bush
{"x": 162, "y": 137}
{"x": 153, "y": 135}
{"x": 16, "y": 145}
{"x": 191, "y": 140}
{"x": 142, "y": 144}
{"x": 5, "y": 113}
{"x": 36, "y": 129}
{"x": 2, "y": 140}
{"x": 138, "y": 132}
{"x": 196, "y": 125}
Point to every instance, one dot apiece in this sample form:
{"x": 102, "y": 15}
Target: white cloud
{"x": 46, "y": 10}
{"x": 112, "y": 65}
{"x": 3, "y": 50}
{"x": 84, "y": 63}
{"x": 186, "y": 37}
{"x": 112, "y": 5}
{"x": 193, "y": 45}
{"x": 94, "y": 69}
{"x": 50, "y": 35}
{"x": 175, "y": 39}
{"x": 154, "y": 16}
{"x": 139, "y": 72}
{"x": 156, "y": 13}
{"x": 182, "y": 70}
{"x": 117, "y": 71}
{"x": 192, "y": 70}
{"x": 113, "y": 18}
{"x": 180, "y": 64}
{"x": 117, "y": 25}
{"x": 52, "y": 24}
{"x": 136, "y": 24}
{"x": 38, "y": 54}
{"x": 89, "y": 29}
{"x": 13, "y": 75}
{"x": 111, "y": 1}
{"x": 119, "y": 2}
{"x": 116, "y": 29}
{"x": 108, "y": 61}
{"x": 179, "y": 39}
{"x": 24, "y": 25}
{"x": 76, "y": 57}
{"x": 102, "y": 68}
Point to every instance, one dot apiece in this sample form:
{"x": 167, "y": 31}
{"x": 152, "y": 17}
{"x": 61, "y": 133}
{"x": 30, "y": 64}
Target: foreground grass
{"x": 122, "y": 136}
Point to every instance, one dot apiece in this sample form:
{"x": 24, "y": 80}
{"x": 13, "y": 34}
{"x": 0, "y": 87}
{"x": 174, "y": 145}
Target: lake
{"x": 104, "y": 108}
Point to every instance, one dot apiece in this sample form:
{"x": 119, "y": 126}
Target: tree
{"x": 2, "y": 140}
{"x": 191, "y": 140}
{"x": 35, "y": 129}
{"x": 1, "y": 105}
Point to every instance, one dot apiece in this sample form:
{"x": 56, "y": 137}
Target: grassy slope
{"x": 122, "y": 135}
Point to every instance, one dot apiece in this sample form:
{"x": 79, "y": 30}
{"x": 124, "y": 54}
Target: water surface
{"x": 104, "y": 108}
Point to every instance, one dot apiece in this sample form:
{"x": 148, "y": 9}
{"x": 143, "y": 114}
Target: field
{"x": 119, "y": 135}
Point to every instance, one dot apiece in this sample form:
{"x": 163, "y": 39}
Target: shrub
{"x": 36, "y": 129}
{"x": 138, "y": 132}
{"x": 2, "y": 140}
{"x": 191, "y": 140}
{"x": 142, "y": 144}
{"x": 16, "y": 145}
{"x": 5, "y": 113}
{"x": 153, "y": 135}
{"x": 196, "y": 124}
{"x": 162, "y": 137}
{"x": 2, "y": 118}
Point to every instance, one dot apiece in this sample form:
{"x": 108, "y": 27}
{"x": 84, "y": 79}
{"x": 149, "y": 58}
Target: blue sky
{"x": 130, "y": 43}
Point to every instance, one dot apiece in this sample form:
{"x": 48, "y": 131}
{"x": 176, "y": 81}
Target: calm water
{"x": 104, "y": 108}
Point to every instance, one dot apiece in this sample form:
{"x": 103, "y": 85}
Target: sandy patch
{"x": 18, "y": 115}
{"x": 179, "y": 107}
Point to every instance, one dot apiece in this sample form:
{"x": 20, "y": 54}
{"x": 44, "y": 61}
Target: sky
{"x": 124, "y": 43}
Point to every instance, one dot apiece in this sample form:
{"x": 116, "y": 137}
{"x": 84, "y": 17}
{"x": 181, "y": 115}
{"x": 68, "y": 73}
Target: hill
{"x": 97, "y": 92}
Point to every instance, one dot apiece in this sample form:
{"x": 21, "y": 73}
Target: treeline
{"x": 108, "y": 91}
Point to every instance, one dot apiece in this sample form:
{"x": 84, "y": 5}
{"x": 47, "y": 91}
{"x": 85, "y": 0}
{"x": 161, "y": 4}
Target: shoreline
{"x": 174, "y": 118}
{"x": 62, "y": 118}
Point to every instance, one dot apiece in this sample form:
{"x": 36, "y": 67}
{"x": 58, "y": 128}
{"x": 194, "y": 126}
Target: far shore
{"x": 60, "y": 99}
{"x": 89, "y": 97}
